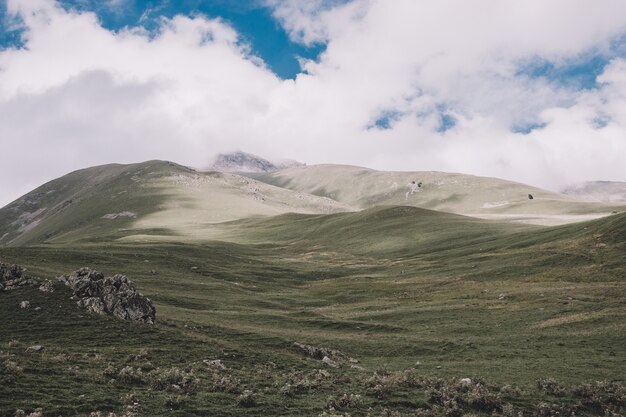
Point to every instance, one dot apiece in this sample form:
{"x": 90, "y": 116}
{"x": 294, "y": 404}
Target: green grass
{"x": 389, "y": 286}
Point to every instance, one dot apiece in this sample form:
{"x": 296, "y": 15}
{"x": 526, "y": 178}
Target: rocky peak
{"x": 248, "y": 163}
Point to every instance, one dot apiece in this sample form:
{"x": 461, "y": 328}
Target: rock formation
{"x": 116, "y": 295}
{"x": 13, "y": 276}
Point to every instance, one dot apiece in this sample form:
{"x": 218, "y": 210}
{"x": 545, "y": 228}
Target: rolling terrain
{"x": 150, "y": 198}
{"x": 456, "y": 193}
{"x": 416, "y": 300}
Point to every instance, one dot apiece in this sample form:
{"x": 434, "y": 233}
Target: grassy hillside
{"x": 151, "y": 198}
{"x": 398, "y": 231}
{"x": 419, "y": 298}
{"x": 80, "y": 199}
{"x": 455, "y": 193}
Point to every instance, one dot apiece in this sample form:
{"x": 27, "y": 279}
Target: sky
{"x": 532, "y": 91}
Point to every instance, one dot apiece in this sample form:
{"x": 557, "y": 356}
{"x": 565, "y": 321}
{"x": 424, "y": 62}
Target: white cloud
{"x": 79, "y": 95}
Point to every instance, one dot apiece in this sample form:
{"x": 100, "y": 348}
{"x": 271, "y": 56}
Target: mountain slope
{"x": 455, "y": 193}
{"x": 149, "y": 198}
{"x": 378, "y": 231}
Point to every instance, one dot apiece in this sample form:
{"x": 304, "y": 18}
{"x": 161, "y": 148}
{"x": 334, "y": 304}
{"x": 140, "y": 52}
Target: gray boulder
{"x": 115, "y": 296}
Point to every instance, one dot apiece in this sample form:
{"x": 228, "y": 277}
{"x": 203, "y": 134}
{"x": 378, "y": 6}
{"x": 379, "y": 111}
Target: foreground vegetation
{"x": 427, "y": 314}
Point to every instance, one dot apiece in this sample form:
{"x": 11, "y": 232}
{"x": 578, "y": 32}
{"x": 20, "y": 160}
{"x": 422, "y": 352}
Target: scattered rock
{"x": 501, "y": 296}
{"x": 37, "y": 413}
{"x": 194, "y": 268}
{"x": 37, "y": 308}
{"x": 358, "y": 368}
{"x": 215, "y": 364}
{"x": 465, "y": 381}
{"x": 321, "y": 353}
{"x": 34, "y": 349}
{"x": 116, "y": 295}
{"x": 530, "y": 196}
{"x": 328, "y": 361}
{"x": 25, "y": 304}
{"x": 12, "y": 277}
{"x": 47, "y": 286}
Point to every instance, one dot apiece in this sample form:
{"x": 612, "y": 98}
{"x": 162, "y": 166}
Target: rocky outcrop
{"x": 115, "y": 296}
{"x": 13, "y": 276}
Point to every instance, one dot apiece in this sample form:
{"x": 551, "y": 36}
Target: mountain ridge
{"x": 161, "y": 200}
{"x": 485, "y": 197}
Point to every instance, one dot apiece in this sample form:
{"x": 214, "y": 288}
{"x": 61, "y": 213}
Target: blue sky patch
{"x": 385, "y": 120}
{"x": 579, "y": 72}
{"x": 446, "y": 122}
{"x": 527, "y": 128}
{"x": 601, "y": 122}
{"x": 10, "y": 31}
{"x": 250, "y": 18}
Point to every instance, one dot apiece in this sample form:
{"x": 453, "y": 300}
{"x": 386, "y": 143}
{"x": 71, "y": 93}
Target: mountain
{"x": 484, "y": 197}
{"x": 164, "y": 201}
{"x": 242, "y": 162}
{"x": 601, "y": 191}
{"x": 151, "y": 198}
{"x": 300, "y": 300}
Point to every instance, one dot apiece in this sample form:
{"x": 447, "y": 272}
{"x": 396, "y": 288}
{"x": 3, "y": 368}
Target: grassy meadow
{"x": 418, "y": 300}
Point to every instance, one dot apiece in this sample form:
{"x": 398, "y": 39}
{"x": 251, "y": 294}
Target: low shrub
{"x": 173, "y": 379}
{"x": 345, "y": 401}
{"x": 225, "y": 383}
{"x": 551, "y": 387}
{"x": 247, "y": 399}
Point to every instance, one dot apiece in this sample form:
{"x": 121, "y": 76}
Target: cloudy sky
{"x": 533, "y": 90}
